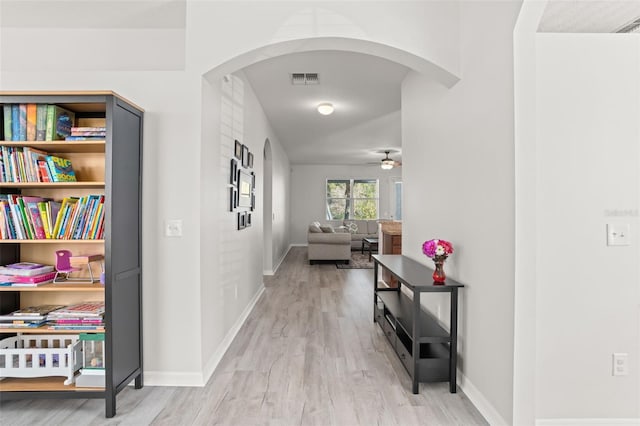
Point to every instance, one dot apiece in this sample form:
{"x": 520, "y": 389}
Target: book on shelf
{"x": 28, "y": 324}
{"x": 41, "y": 122}
{"x": 6, "y": 115}
{"x": 61, "y": 169}
{"x": 31, "y": 312}
{"x": 15, "y": 122}
{"x": 25, "y": 269}
{"x": 32, "y": 112}
{"x": 27, "y": 281}
{"x": 84, "y": 138}
{"x": 43, "y": 171}
{"x": 82, "y": 309}
{"x": 22, "y": 122}
{"x": 59, "y": 122}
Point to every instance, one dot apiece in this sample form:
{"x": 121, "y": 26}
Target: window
{"x": 352, "y": 199}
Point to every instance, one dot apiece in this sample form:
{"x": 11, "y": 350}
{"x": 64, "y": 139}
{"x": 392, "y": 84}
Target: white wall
{"x": 177, "y": 135}
{"x": 280, "y": 203}
{"x": 588, "y": 296}
{"x": 458, "y": 169}
{"x": 309, "y": 192}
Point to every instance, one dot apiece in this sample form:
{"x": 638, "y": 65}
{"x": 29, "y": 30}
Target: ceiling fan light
{"x": 325, "y": 108}
{"x": 387, "y": 164}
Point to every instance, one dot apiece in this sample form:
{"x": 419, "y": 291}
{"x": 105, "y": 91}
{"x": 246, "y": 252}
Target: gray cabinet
{"x": 111, "y": 167}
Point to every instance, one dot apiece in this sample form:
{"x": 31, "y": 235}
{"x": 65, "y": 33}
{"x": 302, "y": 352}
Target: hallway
{"x": 309, "y": 354}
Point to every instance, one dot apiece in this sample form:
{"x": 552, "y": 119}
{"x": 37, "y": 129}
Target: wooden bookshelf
{"x": 110, "y": 167}
{"x": 61, "y": 146}
{"x": 38, "y": 384}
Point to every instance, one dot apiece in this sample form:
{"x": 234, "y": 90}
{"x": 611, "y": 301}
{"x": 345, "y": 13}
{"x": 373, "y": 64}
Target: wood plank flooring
{"x": 309, "y": 354}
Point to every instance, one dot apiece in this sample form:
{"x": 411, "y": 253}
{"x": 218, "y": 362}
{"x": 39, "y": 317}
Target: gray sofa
{"x": 363, "y": 229}
{"x": 328, "y": 245}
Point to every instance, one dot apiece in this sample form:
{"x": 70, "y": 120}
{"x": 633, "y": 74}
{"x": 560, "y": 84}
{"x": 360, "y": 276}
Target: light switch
{"x": 618, "y": 234}
{"x": 173, "y": 228}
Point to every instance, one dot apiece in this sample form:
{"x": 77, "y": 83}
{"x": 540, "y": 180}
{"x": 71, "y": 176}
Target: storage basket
{"x": 34, "y": 355}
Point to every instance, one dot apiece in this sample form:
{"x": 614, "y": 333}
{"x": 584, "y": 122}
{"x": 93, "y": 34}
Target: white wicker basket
{"x": 41, "y": 355}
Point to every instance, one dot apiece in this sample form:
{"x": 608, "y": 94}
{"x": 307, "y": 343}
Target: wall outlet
{"x": 620, "y": 364}
{"x": 173, "y": 228}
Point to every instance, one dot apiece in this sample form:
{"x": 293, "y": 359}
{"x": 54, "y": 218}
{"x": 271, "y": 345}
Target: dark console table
{"x": 425, "y": 348}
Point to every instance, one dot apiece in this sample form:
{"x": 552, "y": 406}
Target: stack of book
{"x": 36, "y": 122}
{"x": 26, "y": 274}
{"x": 33, "y": 316}
{"x": 87, "y": 134}
{"x": 25, "y": 217}
{"x": 25, "y": 164}
{"x": 81, "y": 316}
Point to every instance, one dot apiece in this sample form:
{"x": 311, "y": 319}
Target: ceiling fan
{"x": 388, "y": 163}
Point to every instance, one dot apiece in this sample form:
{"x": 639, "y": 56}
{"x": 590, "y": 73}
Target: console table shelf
{"x": 409, "y": 328}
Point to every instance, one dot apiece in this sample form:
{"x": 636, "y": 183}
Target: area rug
{"x": 358, "y": 261}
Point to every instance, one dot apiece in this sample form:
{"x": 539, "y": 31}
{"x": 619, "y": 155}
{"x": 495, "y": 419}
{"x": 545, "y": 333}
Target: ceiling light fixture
{"x": 387, "y": 163}
{"x": 325, "y": 108}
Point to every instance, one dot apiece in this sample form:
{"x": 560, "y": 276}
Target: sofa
{"x": 358, "y": 229}
{"x": 327, "y": 244}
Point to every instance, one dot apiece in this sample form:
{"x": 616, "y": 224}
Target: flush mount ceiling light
{"x": 387, "y": 163}
{"x": 325, "y": 108}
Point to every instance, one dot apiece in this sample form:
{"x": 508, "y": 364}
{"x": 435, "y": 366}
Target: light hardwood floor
{"x": 309, "y": 354}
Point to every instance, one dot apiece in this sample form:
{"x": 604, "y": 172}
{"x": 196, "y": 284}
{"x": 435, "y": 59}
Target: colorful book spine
{"x": 43, "y": 169}
{"x": 6, "y": 109}
{"x": 32, "y": 114}
{"x": 30, "y": 234}
{"x": 41, "y": 122}
{"x": 59, "y": 123}
{"x": 22, "y": 120}
{"x": 15, "y": 122}
{"x": 38, "y": 226}
{"x": 61, "y": 169}
{"x": 42, "y": 209}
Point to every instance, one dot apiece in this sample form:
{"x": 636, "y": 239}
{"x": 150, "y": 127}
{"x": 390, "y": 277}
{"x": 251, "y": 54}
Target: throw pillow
{"x": 327, "y": 229}
{"x": 351, "y": 227}
{"x": 313, "y": 228}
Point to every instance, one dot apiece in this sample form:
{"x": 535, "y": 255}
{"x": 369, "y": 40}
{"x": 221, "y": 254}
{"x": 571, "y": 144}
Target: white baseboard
{"x": 175, "y": 378}
{"x": 172, "y": 378}
{"x": 231, "y": 334}
{"x": 278, "y": 263}
{"x": 595, "y": 422}
{"x": 487, "y": 410}
{"x": 298, "y": 245}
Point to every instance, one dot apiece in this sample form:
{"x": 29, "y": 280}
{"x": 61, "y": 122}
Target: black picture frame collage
{"x": 243, "y": 184}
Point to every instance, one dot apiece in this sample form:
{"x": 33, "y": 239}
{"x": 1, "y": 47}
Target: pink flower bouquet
{"x": 438, "y": 250}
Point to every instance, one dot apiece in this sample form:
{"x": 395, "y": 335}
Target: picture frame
{"x": 233, "y": 175}
{"x": 241, "y": 220}
{"x": 248, "y": 220}
{"x": 245, "y": 188}
{"x": 245, "y": 156}
{"x": 253, "y": 202}
{"x": 250, "y": 160}
{"x": 237, "y": 151}
{"x": 233, "y": 198}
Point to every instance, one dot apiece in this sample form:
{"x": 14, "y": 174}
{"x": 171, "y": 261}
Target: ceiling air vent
{"x": 301, "y": 79}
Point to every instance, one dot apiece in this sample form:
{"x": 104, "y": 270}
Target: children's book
{"x": 37, "y": 271}
{"x": 59, "y": 123}
{"x": 31, "y": 121}
{"x": 6, "y": 109}
{"x": 61, "y": 169}
{"x": 43, "y": 171}
{"x": 30, "y": 281}
{"x": 22, "y": 122}
{"x": 41, "y": 122}
{"x": 15, "y": 122}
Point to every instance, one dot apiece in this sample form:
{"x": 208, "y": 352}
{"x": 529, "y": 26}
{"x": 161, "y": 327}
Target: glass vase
{"x": 438, "y": 273}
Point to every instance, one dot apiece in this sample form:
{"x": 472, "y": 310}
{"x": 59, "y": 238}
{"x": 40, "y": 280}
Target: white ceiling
{"x": 364, "y": 89}
{"x": 588, "y": 16}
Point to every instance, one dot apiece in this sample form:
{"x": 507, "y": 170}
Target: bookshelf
{"x": 109, "y": 167}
